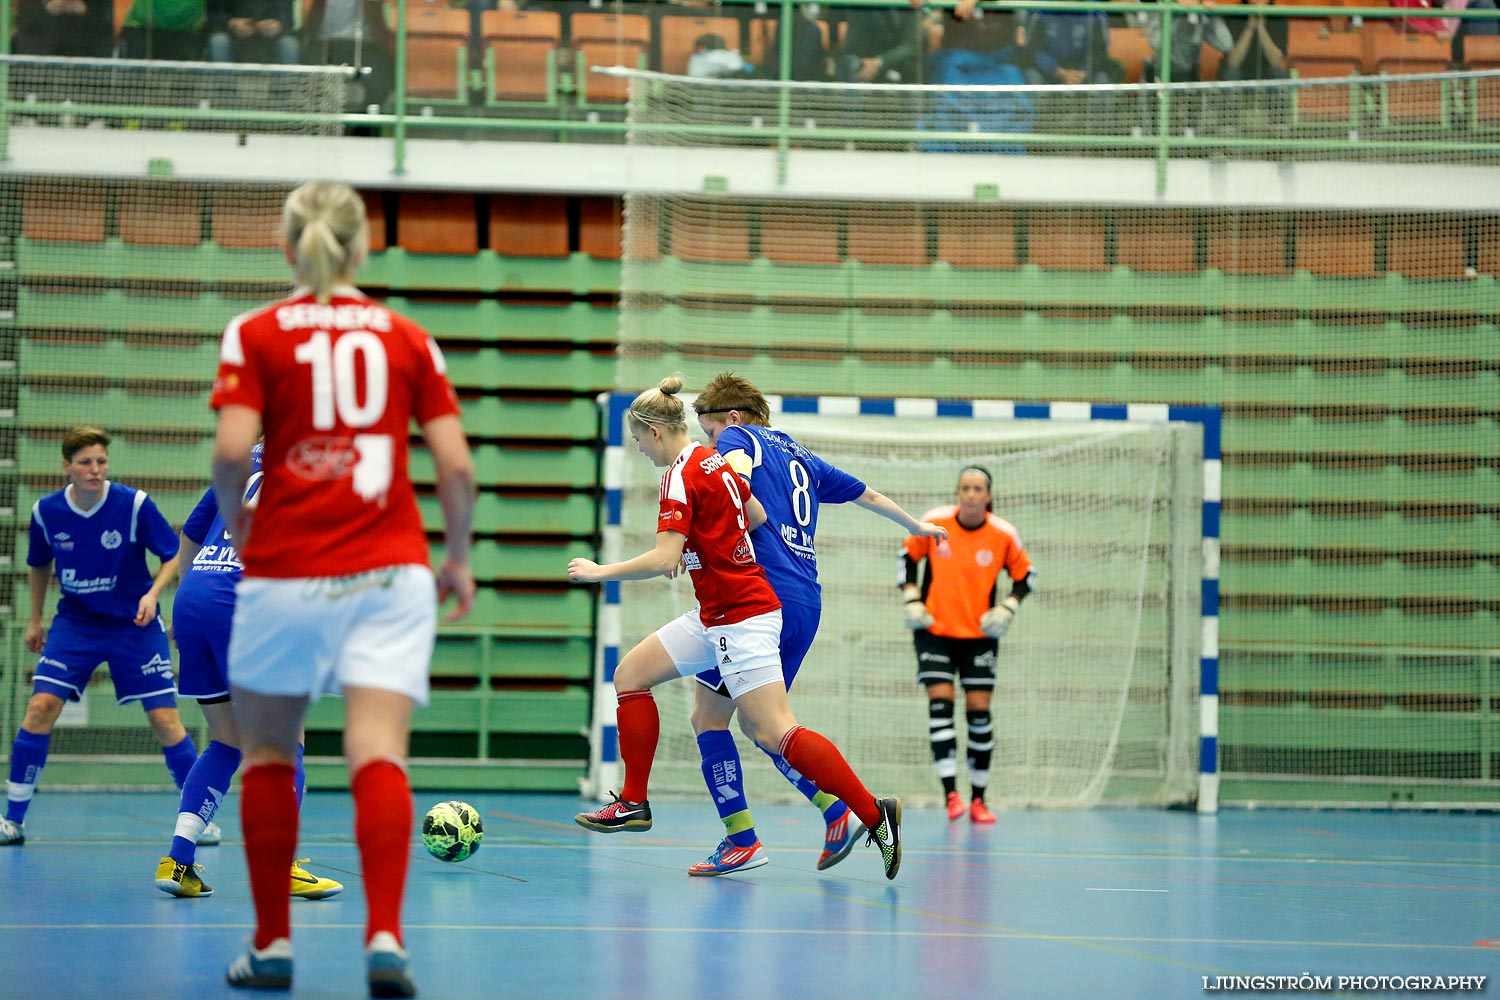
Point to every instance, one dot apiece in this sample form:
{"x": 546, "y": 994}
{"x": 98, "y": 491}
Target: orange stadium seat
{"x": 523, "y": 225}
{"x": 888, "y": 234}
{"x": 600, "y": 227}
{"x": 245, "y": 221}
{"x": 1313, "y": 51}
{"x": 167, "y": 215}
{"x": 437, "y": 38}
{"x": 437, "y": 223}
{"x": 1248, "y": 244}
{"x": 977, "y": 237}
{"x": 1131, "y": 47}
{"x": 678, "y": 33}
{"x": 1156, "y": 241}
{"x": 802, "y": 234}
{"x": 1066, "y": 239}
{"x": 519, "y": 43}
{"x": 1208, "y": 62}
{"x": 375, "y": 214}
{"x": 71, "y": 211}
{"x": 1483, "y": 52}
{"x": 1335, "y": 245}
{"x": 1390, "y": 52}
{"x": 1424, "y": 246}
{"x": 709, "y": 231}
{"x": 608, "y": 40}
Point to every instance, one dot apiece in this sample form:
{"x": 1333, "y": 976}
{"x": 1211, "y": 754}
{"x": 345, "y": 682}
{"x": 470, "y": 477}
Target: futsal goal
{"x": 1105, "y": 685}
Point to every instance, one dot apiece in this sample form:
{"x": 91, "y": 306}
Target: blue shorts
{"x": 202, "y": 633}
{"x": 799, "y": 627}
{"x": 139, "y": 658}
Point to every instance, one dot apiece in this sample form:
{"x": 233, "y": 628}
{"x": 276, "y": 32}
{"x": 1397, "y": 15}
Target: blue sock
{"x": 828, "y": 805}
{"x": 723, "y": 775}
{"x": 206, "y": 785}
{"x": 180, "y": 758}
{"x": 27, "y": 757}
{"x": 299, "y": 779}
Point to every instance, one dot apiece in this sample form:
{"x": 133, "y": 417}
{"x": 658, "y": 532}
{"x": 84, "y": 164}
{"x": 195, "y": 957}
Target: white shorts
{"x": 315, "y": 635}
{"x": 747, "y": 653}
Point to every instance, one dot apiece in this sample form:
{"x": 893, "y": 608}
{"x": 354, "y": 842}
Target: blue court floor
{"x": 1103, "y": 904}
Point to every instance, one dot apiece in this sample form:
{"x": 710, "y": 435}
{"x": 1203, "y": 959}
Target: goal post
{"x": 1106, "y": 687}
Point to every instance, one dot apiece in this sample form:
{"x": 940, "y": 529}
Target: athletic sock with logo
{"x": 723, "y": 774}
{"x": 202, "y": 793}
{"x": 28, "y": 755}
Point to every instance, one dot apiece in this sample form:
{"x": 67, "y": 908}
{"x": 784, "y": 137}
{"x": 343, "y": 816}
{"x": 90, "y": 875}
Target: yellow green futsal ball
{"x": 451, "y": 831}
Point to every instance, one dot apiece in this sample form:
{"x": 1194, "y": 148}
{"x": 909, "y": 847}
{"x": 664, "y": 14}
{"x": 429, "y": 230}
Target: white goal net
{"x": 1096, "y": 697}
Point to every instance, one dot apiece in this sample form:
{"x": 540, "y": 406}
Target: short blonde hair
{"x": 727, "y": 391}
{"x": 327, "y": 232}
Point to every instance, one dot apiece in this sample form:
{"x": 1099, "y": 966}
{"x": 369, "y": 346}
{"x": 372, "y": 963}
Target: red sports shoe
{"x": 980, "y": 813}
{"x": 955, "y": 807}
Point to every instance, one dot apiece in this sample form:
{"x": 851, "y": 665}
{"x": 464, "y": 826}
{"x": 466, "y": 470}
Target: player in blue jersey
{"x": 201, "y": 616}
{"x": 790, "y": 482}
{"x": 96, "y": 534}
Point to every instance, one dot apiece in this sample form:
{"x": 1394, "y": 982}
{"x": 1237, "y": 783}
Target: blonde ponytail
{"x": 325, "y": 226}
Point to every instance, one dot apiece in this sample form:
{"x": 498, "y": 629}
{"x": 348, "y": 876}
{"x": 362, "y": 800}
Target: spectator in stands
{"x": 1259, "y": 51}
{"x": 163, "y": 29}
{"x": 808, "y": 55}
{"x": 881, "y": 45}
{"x": 65, "y": 28}
{"x": 712, "y": 59}
{"x": 353, "y": 33}
{"x": 976, "y": 49}
{"x": 255, "y": 31}
{"x": 1421, "y": 25}
{"x": 1463, "y": 28}
{"x": 1190, "y": 32}
{"x": 1070, "y": 49}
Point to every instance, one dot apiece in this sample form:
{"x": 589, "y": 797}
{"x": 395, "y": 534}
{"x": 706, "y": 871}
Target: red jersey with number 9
{"x": 702, "y": 498}
{"x": 337, "y": 387}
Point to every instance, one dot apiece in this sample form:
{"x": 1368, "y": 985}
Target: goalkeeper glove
{"x": 996, "y": 621}
{"x": 917, "y": 615}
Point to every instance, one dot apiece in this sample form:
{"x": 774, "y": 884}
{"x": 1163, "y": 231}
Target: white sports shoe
{"x": 211, "y": 836}
{"x": 12, "y": 834}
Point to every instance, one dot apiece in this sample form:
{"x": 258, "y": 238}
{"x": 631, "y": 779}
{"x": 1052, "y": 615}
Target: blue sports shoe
{"x": 270, "y": 968}
{"x": 728, "y": 859}
{"x": 839, "y": 839}
{"x": 386, "y": 967}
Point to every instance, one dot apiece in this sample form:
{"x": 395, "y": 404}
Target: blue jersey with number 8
{"x": 790, "y": 482}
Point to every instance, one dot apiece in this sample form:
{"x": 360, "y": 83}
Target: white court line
{"x": 1090, "y": 888}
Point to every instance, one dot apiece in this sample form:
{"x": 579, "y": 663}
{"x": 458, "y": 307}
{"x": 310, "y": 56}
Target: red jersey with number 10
{"x": 337, "y": 387}
{"x": 702, "y": 498}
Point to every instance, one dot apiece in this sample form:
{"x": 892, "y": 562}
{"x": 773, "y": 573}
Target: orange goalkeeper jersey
{"x": 962, "y": 571}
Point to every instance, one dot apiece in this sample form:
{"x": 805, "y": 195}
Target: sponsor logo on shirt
{"x": 62, "y": 540}
{"x": 322, "y": 459}
{"x": 743, "y": 553}
{"x": 690, "y": 560}
{"x": 73, "y": 585}
{"x": 157, "y": 665}
{"x": 218, "y": 559}
{"x": 984, "y": 557}
{"x": 111, "y": 539}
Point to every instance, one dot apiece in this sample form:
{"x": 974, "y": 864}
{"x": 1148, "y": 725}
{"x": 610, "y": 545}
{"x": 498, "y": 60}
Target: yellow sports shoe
{"x": 180, "y": 880}
{"x": 310, "y": 886}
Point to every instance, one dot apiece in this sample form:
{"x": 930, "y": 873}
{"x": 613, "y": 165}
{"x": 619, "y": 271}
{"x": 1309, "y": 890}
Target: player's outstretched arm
{"x": 457, "y": 490}
{"x": 658, "y": 562}
{"x": 883, "y": 505}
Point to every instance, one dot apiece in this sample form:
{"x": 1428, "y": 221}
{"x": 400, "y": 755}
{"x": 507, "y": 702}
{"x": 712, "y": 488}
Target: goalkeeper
{"x": 957, "y": 623}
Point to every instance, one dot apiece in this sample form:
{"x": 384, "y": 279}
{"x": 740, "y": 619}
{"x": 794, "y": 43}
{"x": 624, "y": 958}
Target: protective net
{"x": 118, "y": 281}
{"x": 1097, "y": 682}
{"x": 1351, "y": 351}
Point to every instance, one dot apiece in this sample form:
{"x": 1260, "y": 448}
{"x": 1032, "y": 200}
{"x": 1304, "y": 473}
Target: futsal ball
{"x": 451, "y": 831}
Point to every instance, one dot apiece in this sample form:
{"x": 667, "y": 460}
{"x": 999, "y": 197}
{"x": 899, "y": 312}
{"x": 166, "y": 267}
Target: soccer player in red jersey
{"x": 704, "y": 523}
{"x": 337, "y": 593}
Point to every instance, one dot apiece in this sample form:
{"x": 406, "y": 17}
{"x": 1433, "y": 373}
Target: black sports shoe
{"x": 618, "y": 815}
{"x": 886, "y": 834}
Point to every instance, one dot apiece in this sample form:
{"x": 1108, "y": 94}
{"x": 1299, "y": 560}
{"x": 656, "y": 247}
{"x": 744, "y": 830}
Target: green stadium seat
{"x": 494, "y": 655}
{"x": 121, "y": 410}
{"x": 514, "y": 368}
{"x": 571, "y": 514}
{"x": 549, "y": 613}
{"x": 130, "y": 457}
{"x": 488, "y": 320}
{"x": 568, "y": 467}
{"x": 524, "y": 562}
{"x": 527, "y": 417}
{"x": 559, "y": 710}
{"x": 121, "y": 358}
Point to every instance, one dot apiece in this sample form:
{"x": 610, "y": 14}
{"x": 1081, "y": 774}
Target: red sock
{"x": 268, "y": 818}
{"x": 382, "y": 828}
{"x": 639, "y": 727}
{"x": 820, "y": 762}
